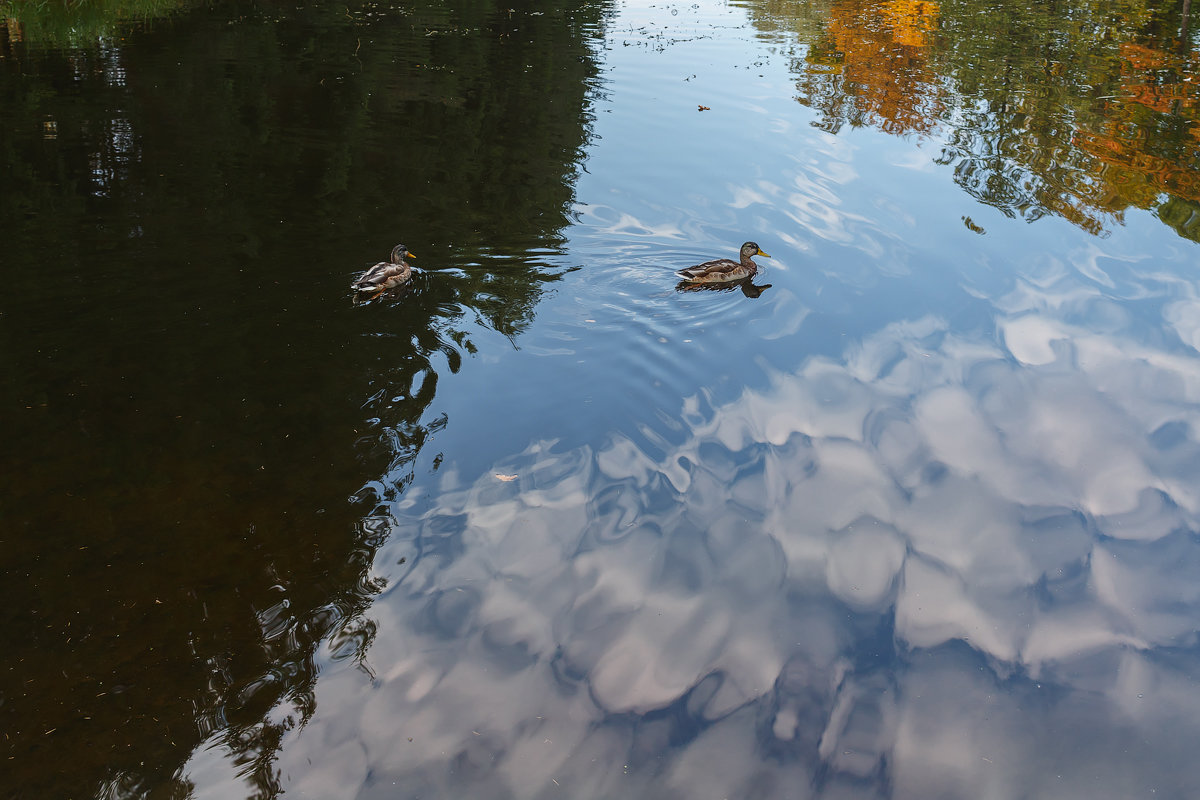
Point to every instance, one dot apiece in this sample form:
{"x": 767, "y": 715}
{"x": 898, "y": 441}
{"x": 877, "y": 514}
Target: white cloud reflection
{"x": 943, "y": 567}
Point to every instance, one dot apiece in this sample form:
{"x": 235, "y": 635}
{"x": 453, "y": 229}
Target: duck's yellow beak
{"x": 410, "y": 255}
{"x": 764, "y": 255}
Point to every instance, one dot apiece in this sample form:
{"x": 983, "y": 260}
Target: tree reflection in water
{"x": 1022, "y": 99}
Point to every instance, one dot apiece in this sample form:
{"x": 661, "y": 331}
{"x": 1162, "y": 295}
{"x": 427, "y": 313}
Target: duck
{"x": 723, "y": 270}
{"x": 386, "y": 274}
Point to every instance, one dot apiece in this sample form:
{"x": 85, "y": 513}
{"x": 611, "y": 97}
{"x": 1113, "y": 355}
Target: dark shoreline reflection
{"x": 1082, "y": 117}
{"x": 191, "y": 397}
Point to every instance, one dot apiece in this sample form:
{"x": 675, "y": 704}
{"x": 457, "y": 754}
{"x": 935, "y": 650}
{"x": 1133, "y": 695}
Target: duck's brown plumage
{"x": 723, "y": 270}
{"x": 386, "y": 274}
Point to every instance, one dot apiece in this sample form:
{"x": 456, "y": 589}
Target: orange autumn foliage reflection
{"x": 1138, "y": 145}
{"x": 877, "y": 51}
{"x": 911, "y": 20}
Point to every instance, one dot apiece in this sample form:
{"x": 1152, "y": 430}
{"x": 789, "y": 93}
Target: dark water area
{"x": 913, "y": 515}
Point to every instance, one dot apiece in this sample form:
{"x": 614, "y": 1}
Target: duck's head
{"x": 751, "y": 249}
{"x": 399, "y": 253}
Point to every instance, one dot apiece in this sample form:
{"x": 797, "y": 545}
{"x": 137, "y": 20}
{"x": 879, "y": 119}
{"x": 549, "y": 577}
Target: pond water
{"x": 914, "y": 515}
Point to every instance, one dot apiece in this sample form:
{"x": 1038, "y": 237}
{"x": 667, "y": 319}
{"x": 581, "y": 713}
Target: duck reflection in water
{"x": 747, "y": 285}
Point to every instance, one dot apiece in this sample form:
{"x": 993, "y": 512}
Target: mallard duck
{"x": 723, "y": 270}
{"x": 386, "y": 274}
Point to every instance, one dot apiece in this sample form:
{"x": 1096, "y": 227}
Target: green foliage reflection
{"x": 76, "y": 23}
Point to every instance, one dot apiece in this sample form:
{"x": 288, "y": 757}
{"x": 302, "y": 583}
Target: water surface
{"x": 919, "y": 520}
